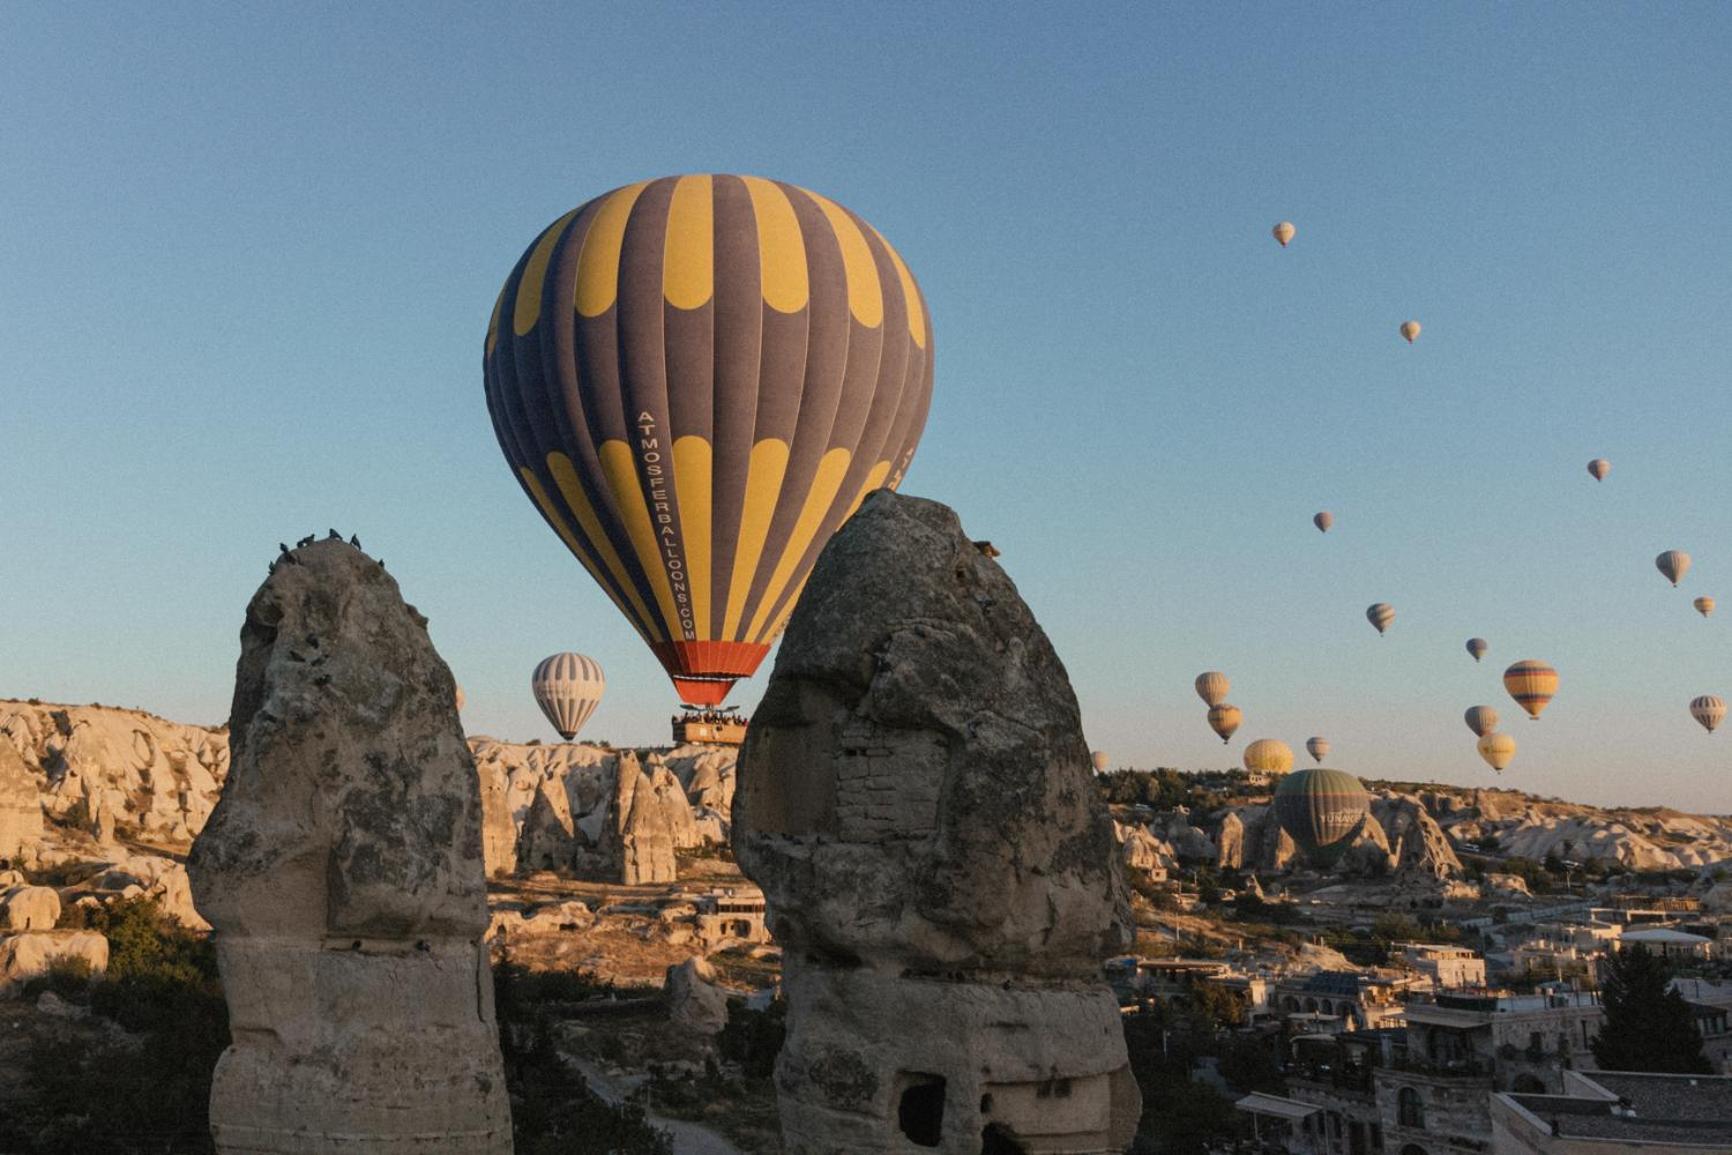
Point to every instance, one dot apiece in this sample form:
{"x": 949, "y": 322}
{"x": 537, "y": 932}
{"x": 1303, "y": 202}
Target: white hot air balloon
{"x": 1318, "y": 748}
{"x": 1284, "y": 232}
{"x": 568, "y": 688}
{"x": 1212, "y": 687}
{"x": 1674, "y": 563}
{"x": 1710, "y": 710}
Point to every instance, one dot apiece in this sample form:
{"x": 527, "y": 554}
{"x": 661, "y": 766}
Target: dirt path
{"x": 688, "y": 1138}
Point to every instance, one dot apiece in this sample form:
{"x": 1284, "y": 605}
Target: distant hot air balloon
{"x": 1380, "y": 615}
{"x": 1482, "y": 720}
{"x": 1269, "y": 756}
{"x": 1497, "y": 750}
{"x": 1710, "y": 710}
{"x": 1322, "y": 811}
{"x": 696, "y": 380}
{"x": 1323, "y": 521}
{"x": 1477, "y": 647}
{"x": 1284, "y": 232}
{"x": 1599, "y": 467}
{"x": 1101, "y": 761}
{"x": 1674, "y": 563}
{"x": 461, "y": 698}
{"x": 568, "y": 688}
{"x": 1224, "y": 718}
{"x": 1532, "y": 684}
{"x": 1410, "y": 330}
{"x": 1212, "y": 687}
{"x": 1704, "y": 605}
{"x": 1318, "y": 748}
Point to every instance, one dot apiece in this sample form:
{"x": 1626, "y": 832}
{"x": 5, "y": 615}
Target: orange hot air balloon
{"x": 1380, "y": 615}
{"x": 1710, "y": 710}
{"x": 1269, "y": 756}
{"x": 1224, "y": 718}
{"x": 1497, "y": 750}
{"x": 1674, "y": 563}
{"x": 1704, "y": 605}
{"x": 1410, "y": 330}
{"x": 1212, "y": 687}
{"x": 1323, "y": 521}
{"x": 696, "y": 380}
{"x": 1477, "y": 647}
{"x": 1100, "y": 759}
{"x": 1284, "y": 232}
{"x": 1482, "y": 720}
{"x": 1532, "y": 684}
{"x": 1599, "y": 467}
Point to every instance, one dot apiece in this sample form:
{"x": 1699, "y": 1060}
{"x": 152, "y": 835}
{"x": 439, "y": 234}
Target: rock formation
{"x": 637, "y": 836}
{"x": 915, "y": 800}
{"x": 20, "y": 805}
{"x": 695, "y": 1001}
{"x": 1231, "y": 843}
{"x": 1417, "y": 844}
{"x": 342, "y": 871}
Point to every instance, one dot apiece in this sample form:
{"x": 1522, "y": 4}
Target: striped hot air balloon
{"x": 1410, "y": 331}
{"x": 1532, "y": 684}
{"x": 1269, "y": 756}
{"x": 1318, "y": 748}
{"x": 1497, "y": 750}
{"x": 1674, "y": 563}
{"x": 1284, "y": 232}
{"x": 1477, "y": 647}
{"x": 1212, "y": 687}
{"x": 1380, "y": 614}
{"x": 1704, "y": 605}
{"x": 1482, "y": 720}
{"x": 1322, "y": 811}
{"x": 568, "y": 688}
{"x": 1710, "y": 710}
{"x": 1224, "y": 718}
{"x": 1323, "y": 520}
{"x": 696, "y": 380}
{"x": 1598, "y": 468}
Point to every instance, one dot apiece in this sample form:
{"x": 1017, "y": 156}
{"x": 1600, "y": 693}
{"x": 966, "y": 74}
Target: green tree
{"x": 1648, "y": 1026}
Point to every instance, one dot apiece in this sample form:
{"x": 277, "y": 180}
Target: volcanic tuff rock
{"x": 915, "y": 800}
{"x": 342, "y": 870}
{"x": 20, "y": 805}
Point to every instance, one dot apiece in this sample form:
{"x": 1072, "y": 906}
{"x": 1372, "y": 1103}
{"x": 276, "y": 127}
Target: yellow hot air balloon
{"x": 1212, "y": 687}
{"x": 1269, "y": 756}
{"x": 1674, "y": 563}
{"x": 1410, "y": 330}
{"x": 1482, "y": 720}
{"x": 1323, "y": 521}
{"x": 1704, "y": 605}
{"x": 1599, "y": 467}
{"x": 1710, "y": 710}
{"x": 1318, "y": 748}
{"x": 1100, "y": 759}
{"x": 1224, "y": 718}
{"x": 1380, "y": 615}
{"x": 1284, "y": 233}
{"x": 1532, "y": 684}
{"x": 696, "y": 380}
{"x": 1497, "y": 750}
{"x": 1477, "y": 647}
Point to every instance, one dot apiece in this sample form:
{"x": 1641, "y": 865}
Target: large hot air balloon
{"x": 1212, "y": 687}
{"x": 1674, "y": 563}
{"x": 1380, "y": 615}
{"x": 1704, "y": 605}
{"x": 1269, "y": 756}
{"x": 1477, "y": 647}
{"x": 1224, "y": 718}
{"x": 1532, "y": 684}
{"x": 1497, "y": 750}
{"x": 1410, "y": 330}
{"x": 1284, "y": 232}
{"x": 1482, "y": 720}
{"x": 1318, "y": 748}
{"x": 568, "y": 688}
{"x": 1599, "y": 467}
{"x": 1323, "y": 520}
{"x": 1101, "y": 760}
{"x": 696, "y": 380}
{"x": 1322, "y": 811}
{"x": 1710, "y": 710}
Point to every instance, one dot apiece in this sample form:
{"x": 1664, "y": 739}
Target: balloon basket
{"x": 709, "y": 727}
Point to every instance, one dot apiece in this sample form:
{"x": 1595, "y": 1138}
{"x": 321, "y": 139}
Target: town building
{"x": 1617, "y": 1111}
{"x": 1672, "y": 945}
{"x": 1448, "y": 967}
{"x": 1363, "y": 1002}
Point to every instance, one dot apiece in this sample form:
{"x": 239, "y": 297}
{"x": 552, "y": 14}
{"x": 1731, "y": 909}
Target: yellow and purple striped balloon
{"x": 1532, "y": 684}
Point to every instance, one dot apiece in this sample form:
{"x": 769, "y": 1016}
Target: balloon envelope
{"x": 1710, "y": 710}
{"x": 1323, "y": 521}
{"x": 1599, "y": 467}
{"x": 1410, "y": 330}
{"x": 568, "y": 688}
{"x": 1212, "y": 687}
{"x": 1322, "y": 811}
{"x": 1380, "y": 615}
{"x": 1704, "y": 605}
{"x": 1101, "y": 761}
{"x": 1318, "y": 748}
{"x": 1224, "y": 718}
{"x": 1497, "y": 750}
{"x": 1477, "y": 647}
{"x": 1482, "y": 720}
{"x": 1674, "y": 563}
{"x": 696, "y": 380}
{"x": 1269, "y": 756}
{"x": 1284, "y": 232}
{"x": 1532, "y": 684}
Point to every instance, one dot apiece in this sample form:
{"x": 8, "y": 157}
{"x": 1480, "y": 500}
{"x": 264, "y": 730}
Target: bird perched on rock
{"x": 987, "y": 548}
{"x": 355, "y": 540}
{"x": 305, "y": 541}
{"x": 282, "y": 547}
{"x": 335, "y": 536}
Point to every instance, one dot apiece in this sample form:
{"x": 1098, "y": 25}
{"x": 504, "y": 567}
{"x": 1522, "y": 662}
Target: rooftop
{"x": 1693, "y": 1110}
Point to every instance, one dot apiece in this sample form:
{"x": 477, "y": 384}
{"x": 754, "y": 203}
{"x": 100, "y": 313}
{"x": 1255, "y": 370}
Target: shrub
{"x": 753, "y": 1039}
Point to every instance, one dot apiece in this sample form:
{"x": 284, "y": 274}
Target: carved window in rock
{"x": 920, "y": 1110}
{"x": 1409, "y": 1109}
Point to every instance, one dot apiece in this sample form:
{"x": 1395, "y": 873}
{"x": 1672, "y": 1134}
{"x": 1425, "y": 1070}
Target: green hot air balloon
{"x": 1322, "y": 810}
{"x": 696, "y": 380}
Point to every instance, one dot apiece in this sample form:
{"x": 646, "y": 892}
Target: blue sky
{"x": 247, "y": 256}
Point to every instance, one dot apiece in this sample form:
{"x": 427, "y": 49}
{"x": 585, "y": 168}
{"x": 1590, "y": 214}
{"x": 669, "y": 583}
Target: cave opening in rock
{"x": 920, "y": 1113}
{"x": 997, "y": 1140}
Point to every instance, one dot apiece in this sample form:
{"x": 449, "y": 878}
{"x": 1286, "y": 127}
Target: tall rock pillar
{"x": 342, "y": 870}
{"x": 914, "y": 798}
